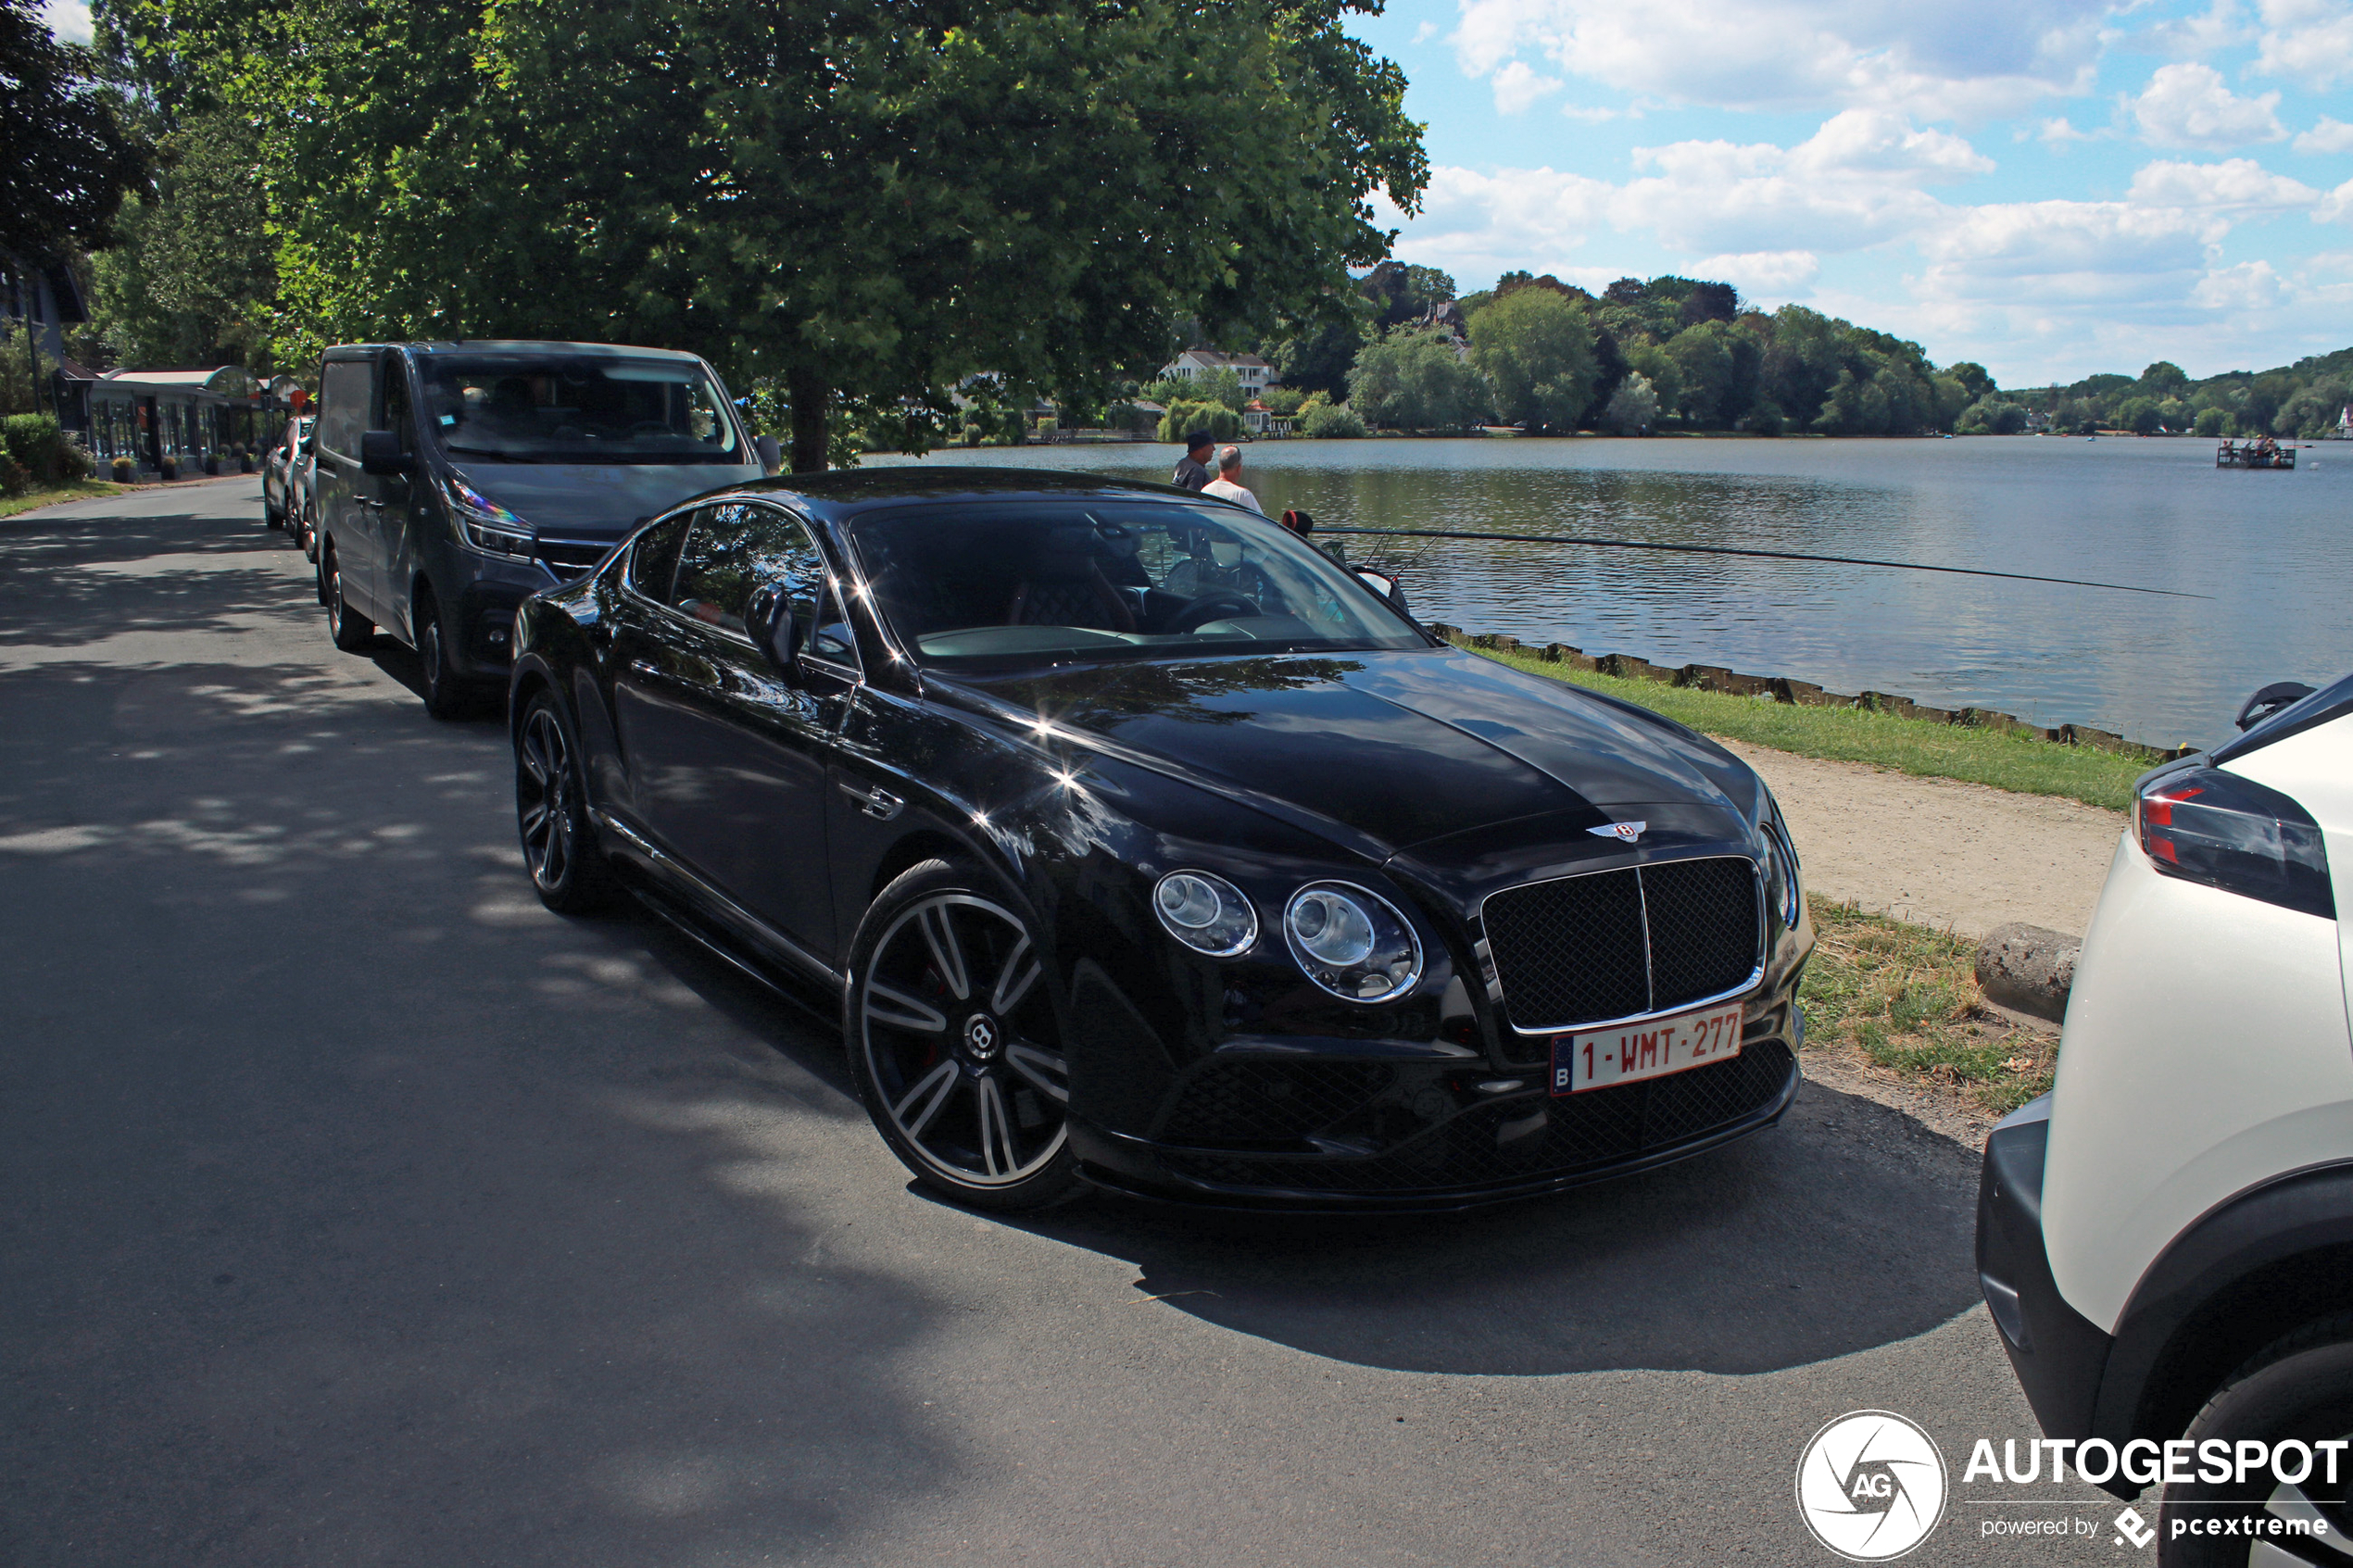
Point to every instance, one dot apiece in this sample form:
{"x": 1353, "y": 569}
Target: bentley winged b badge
{"x": 1626, "y": 833}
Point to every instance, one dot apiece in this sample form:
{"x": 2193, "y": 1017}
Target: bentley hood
{"x": 1403, "y": 747}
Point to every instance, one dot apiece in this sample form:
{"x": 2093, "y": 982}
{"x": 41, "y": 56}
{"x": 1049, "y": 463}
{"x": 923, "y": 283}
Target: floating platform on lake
{"x": 2233, "y": 454}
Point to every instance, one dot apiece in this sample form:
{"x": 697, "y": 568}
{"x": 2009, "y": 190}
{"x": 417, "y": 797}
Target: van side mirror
{"x": 769, "y": 619}
{"x": 771, "y": 453}
{"x": 380, "y": 453}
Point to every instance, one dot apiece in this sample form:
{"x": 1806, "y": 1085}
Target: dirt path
{"x": 1956, "y": 856}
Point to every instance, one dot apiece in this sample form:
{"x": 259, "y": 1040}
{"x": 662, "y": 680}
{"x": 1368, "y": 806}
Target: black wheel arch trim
{"x": 2252, "y": 1269}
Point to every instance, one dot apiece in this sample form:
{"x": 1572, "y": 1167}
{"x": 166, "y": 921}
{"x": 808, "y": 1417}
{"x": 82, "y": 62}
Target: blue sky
{"x": 2050, "y": 187}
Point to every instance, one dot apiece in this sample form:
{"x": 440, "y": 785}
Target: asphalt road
{"x": 357, "y": 1210}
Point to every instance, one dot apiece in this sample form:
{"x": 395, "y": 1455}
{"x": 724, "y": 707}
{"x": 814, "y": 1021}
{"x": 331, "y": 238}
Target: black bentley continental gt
{"x": 1144, "y": 846}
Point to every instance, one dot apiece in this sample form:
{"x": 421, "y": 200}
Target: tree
{"x": 2163, "y": 380}
{"x": 1716, "y": 365}
{"x": 1973, "y": 379}
{"x": 1710, "y": 302}
{"x": 1402, "y": 294}
{"x": 1634, "y": 407}
{"x": 1992, "y": 416}
{"x": 66, "y": 161}
{"x": 864, "y": 202}
{"x": 1414, "y": 380}
{"x": 1316, "y": 356}
{"x": 195, "y": 275}
{"x": 1536, "y": 347}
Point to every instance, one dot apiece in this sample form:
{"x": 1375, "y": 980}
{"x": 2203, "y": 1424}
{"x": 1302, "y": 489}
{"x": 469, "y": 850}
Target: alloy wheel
{"x": 543, "y": 799}
{"x": 961, "y": 1042}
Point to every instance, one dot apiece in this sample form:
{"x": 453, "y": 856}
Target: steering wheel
{"x": 1217, "y": 605}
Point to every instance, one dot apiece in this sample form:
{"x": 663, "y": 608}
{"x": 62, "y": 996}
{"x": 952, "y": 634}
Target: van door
{"x": 394, "y": 528}
{"x": 347, "y": 400}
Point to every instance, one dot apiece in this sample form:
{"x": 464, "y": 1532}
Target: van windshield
{"x": 557, "y": 408}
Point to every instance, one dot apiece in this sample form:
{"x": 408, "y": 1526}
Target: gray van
{"x": 457, "y": 479}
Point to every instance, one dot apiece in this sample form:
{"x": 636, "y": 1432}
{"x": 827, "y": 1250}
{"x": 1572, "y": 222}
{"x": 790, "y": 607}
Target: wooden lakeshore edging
{"x": 1781, "y": 688}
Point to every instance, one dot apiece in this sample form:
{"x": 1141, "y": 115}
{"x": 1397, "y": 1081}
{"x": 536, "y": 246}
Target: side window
{"x": 343, "y": 405}
{"x": 833, "y": 638}
{"x": 397, "y": 403}
{"x": 653, "y": 559}
{"x": 721, "y": 565}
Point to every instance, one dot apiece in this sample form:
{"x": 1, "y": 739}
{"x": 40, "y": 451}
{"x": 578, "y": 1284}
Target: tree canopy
{"x": 864, "y": 201}
{"x": 66, "y": 160}
{"x": 1536, "y": 346}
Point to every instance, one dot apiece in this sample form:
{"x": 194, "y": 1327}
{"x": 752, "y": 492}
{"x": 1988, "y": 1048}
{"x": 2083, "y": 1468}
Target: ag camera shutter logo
{"x": 1870, "y": 1486}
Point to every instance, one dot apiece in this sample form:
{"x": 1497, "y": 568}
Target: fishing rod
{"x": 1764, "y": 555}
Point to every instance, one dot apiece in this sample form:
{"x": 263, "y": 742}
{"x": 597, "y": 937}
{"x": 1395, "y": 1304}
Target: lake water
{"x": 2274, "y": 550}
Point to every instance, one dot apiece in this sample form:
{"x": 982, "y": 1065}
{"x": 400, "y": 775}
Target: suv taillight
{"x": 2209, "y": 827}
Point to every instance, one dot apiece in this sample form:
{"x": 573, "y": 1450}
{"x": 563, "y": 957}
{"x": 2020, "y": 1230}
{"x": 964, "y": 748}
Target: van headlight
{"x": 483, "y": 522}
{"x": 1351, "y": 942}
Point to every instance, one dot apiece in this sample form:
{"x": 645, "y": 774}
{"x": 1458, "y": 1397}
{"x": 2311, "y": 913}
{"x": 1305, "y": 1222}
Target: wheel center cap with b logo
{"x": 982, "y": 1035}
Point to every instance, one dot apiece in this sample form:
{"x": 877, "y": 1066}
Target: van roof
{"x": 514, "y": 345}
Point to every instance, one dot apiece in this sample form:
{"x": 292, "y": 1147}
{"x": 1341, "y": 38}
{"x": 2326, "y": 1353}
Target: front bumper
{"x": 1335, "y": 1132}
{"x": 2060, "y": 1356}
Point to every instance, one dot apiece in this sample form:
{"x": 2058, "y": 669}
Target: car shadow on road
{"x": 1847, "y": 1227}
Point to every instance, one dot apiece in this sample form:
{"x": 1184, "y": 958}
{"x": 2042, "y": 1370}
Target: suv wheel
{"x": 351, "y": 630}
{"x": 551, "y": 811}
{"x": 2300, "y": 1388}
{"x": 955, "y": 1041}
{"x": 445, "y": 690}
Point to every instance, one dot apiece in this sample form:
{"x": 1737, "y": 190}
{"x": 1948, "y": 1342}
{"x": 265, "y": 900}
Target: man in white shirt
{"x": 1227, "y": 486}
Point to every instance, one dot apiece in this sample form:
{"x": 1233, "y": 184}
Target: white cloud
{"x": 1475, "y": 223}
{"x": 2057, "y": 132}
{"x": 2189, "y": 105}
{"x": 2336, "y": 206}
{"x": 1592, "y": 115}
{"x": 2326, "y": 136}
{"x": 2223, "y": 26}
{"x": 1518, "y": 87}
{"x": 2239, "y": 185}
{"x": 1931, "y": 61}
{"x": 70, "y": 19}
{"x": 2250, "y": 285}
{"x": 2308, "y": 41}
{"x": 2103, "y": 255}
{"x": 1766, "y": 274}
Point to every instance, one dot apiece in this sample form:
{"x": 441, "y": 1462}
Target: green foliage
{"x": 36, "y": 444}
{"x": 1185, "y": 416}
{"x": 1284, "y": 402}
{"x": 69, "y": 161}
{"x": 1634, "y": 407}
{"x": 1400, "y": 294}
{"x": 1223, "y": 387}
{"x": 865, "y": 203}
{"x": 1992, "y": 416}
{"x": 193, "y": 279}
{"x": 2216, "y": 422}
{"x": 1326, "y": 421}
{"x": 1413, "y": 379}
{"x": 1536, "y": 347}
{"x": 1973, "y": 379}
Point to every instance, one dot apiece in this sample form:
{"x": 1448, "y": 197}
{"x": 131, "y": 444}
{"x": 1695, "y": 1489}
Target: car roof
{"x": 844, "y": 492}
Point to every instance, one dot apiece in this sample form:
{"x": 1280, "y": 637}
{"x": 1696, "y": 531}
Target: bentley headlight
{"x": 1353, "y": 942}
{"x": 1206, "y": 913}
{"x": 1780, "y": 865}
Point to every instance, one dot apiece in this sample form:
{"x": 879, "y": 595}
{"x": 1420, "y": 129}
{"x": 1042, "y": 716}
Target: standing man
{"x": 1192, "y": 469}
{"x": 1227, "y": 486}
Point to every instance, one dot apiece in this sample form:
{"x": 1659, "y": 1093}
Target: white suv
{"x": 2166, "y": 1239}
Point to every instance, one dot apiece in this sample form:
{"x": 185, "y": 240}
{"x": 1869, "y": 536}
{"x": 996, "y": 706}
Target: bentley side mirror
{"x": 2269, "y": 700}
{"x": 380, "y": 453}
{"x": 769, "y": 619}
{"x": 771, "y": 453}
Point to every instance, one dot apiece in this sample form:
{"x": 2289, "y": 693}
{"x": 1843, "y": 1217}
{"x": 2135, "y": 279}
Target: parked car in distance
{"x": 2166, "y": 1239}
{"x": 1141, "y": 843}
{"x": 455, "y": 479}
{"x": 280, "y": 465}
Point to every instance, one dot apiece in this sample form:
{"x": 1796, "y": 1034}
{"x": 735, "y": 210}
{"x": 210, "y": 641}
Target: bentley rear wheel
{"x": 551, "y": 813}
{"x": 955, "y": 1044}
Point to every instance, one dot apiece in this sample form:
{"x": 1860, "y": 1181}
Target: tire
{"x": 955, "y": 1042}
{"x": 559, "y": 847}
{"x": 351, "y": 630}
{"x": 447, "y": 694}
{"x": 2299, "y": 1387}
{"x": 306, "y": 531}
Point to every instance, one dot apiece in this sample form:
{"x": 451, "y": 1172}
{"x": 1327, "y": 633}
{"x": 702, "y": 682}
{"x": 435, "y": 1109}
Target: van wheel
{"x": 955, "y": 1043}
{"x": 351, "y": 630}
{"x": 2299, "y": 1389}
{"x": 445, "y": 691}
{"x": 307, "y": 527}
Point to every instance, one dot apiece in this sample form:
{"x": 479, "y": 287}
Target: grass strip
{"x": 51, "y": 494}
{"x": 1906, "y": 997}
{"x": 2025, "y": 764}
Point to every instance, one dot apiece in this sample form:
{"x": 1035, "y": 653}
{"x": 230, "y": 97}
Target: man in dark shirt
{"x": 1192, "y": 469}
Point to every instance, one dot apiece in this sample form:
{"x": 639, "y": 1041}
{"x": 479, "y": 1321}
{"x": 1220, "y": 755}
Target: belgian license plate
{"x": 1603, "y": 1057}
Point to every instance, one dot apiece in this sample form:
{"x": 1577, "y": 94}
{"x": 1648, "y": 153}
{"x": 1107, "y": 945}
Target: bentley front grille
{"x": 1623, "y": 943}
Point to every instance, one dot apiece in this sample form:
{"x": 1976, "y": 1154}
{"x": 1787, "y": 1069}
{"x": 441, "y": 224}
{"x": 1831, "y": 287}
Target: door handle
{"x": 875, "y": 801}
{"x": 645, "y": 666}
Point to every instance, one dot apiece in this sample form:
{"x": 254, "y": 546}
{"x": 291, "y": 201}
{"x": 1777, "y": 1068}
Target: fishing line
{"x": 1762, "y": 555}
